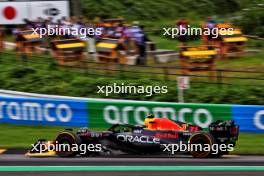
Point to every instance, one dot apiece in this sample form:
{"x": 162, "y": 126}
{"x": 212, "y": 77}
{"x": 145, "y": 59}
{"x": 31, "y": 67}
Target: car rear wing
{"x": 224, "y": 130}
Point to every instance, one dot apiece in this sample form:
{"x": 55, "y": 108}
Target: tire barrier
{"x": 199, "y": 58}
{"x": 230, "y": 43}
{"x": 27, "y": 42}
{"x": 68, "y": 51}
{"x": 110, "y": 50}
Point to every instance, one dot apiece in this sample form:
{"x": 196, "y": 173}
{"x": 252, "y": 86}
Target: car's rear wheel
{"x": 67, "y": 143}
{"x": 201, "y": 145}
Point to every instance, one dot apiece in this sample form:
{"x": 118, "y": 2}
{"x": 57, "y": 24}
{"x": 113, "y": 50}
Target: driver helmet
{"x": 149, "y": 120}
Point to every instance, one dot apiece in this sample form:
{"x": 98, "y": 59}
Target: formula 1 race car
{"x": 157, "y": 136}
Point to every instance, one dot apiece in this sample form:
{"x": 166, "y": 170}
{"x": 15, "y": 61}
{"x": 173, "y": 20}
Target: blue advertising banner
{"x": 64, "y": 112}
{"x": 249, "y": 117}
{"x": 43, "y": 111}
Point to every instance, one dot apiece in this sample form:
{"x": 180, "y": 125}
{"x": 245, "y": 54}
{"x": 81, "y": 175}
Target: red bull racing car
{"x": 158, "y": 136}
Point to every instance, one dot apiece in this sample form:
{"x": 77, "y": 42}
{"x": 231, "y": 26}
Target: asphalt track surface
{"x": 227, "y": 161}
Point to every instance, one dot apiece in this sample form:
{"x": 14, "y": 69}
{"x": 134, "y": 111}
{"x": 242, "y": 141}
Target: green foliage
{"x": 158, "y": 9}
{"x": 246, "y": 13}
{"x": 21, "y": 72}
{"x": 251, "y": 19}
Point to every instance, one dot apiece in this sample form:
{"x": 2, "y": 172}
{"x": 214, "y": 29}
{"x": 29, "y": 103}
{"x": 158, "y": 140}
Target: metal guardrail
{"x": 254, "y": 37}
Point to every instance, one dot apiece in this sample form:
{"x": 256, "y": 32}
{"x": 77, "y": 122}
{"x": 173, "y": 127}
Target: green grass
{"x": 164, "y": 43}
{"x": 169, "y": 43}
{"x": 250, "y": 143}
{"x": 22, "y": 136}
{"x": 41, "y": 75}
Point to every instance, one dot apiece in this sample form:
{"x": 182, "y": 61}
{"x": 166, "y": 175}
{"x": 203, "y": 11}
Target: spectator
{"x": 140, "y": 39}
{"x": 210, "y": 24}
{"x": 119, "y": 31}
{"x": 182, "y": 25}
{"x": 134, "y": 30}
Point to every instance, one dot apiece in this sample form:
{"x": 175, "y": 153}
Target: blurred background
{"x": 133, "y": 50}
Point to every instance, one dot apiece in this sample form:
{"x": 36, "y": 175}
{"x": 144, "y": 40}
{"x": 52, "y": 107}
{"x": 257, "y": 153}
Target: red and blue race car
{"x": 159, "y": 136}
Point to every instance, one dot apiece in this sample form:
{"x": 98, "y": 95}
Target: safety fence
{"x": 101, "y": 113}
